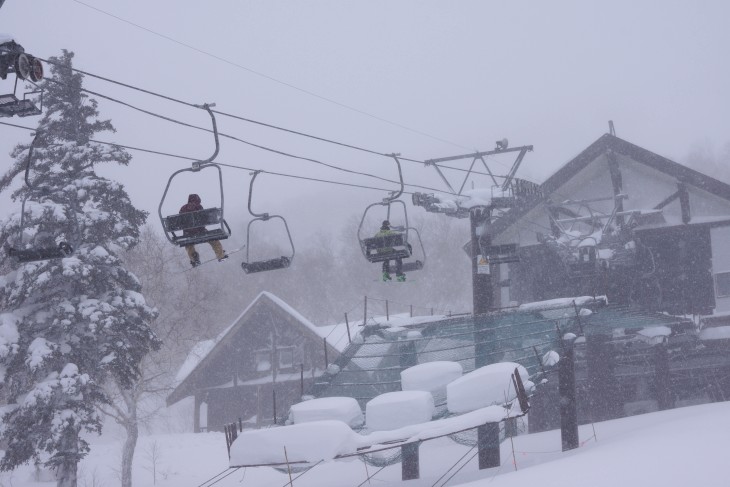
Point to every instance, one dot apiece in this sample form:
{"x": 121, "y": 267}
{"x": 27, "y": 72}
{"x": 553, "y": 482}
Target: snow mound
{"x": 394, "y": 410}
{"x": 488, "y": 385}
{"x": 345, "y": 409}
{"x": 266, "y": 446}
{"x": 431, "y": 376}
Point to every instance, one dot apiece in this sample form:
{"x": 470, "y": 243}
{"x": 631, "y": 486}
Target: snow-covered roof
{"x": 202, "y": 349}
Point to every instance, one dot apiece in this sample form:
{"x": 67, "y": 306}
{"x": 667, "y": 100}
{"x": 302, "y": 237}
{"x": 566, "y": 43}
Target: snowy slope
{"x": 676, "y": 448}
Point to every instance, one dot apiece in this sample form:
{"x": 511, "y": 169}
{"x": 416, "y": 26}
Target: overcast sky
{"x": 424, "y": 78}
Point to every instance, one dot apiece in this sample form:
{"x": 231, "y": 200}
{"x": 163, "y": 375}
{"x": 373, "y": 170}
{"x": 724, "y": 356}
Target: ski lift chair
{"x": 38, "y": 252}
{"x": 282, "y": 262}
{"x": 395, "y": 245}
{"x": 197, "y": 223}
{"x": 13, "y": 59}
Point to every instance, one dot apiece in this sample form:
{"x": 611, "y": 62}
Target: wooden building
{"x": 257, "y": 368}
{"x": 621, "y": 221}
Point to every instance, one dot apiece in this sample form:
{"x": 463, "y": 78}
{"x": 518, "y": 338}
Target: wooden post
{"x": 347, "y": 323}
{"x": 273, "y": 393}
{"x": 326, "y": 361}
{"x": 409, "y": 461}
{"x": 196, "y": 414}
{"x": 488, "y": 445}
{"x": 662, "y": 382}
{"x": 387, "y": 313}
{"x": 568, "y": 403}
{"x": 301, "y": 380}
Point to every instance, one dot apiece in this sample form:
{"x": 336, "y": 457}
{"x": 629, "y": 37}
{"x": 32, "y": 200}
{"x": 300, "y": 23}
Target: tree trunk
{"x": 66, "y": 474}
{"x": 130, "y": 444}
{"x": 128, "y": 453}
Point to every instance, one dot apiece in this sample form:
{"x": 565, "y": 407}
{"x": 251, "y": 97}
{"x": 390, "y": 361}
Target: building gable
{"x": 646, "y": 178}
{"x": 267, "y": 324}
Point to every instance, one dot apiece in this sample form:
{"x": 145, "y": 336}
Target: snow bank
{"x": 715, "y": 333}
{"x": 491, "y": 384}
{"x": 345, "y": 409}
{"x": 431, "y": 376}
{"x": 311, "y": 442}
{"x": 394, "y": 410}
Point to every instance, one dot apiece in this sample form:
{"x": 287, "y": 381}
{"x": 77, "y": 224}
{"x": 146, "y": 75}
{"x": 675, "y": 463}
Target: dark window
{"x": 262, "y": 358}
{"x": 286, "y": 358}
{"x": 722, "y": 284}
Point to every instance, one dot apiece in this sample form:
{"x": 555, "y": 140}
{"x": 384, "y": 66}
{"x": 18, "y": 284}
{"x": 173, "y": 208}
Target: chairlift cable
{"x": 257, "y": 122}
{"x": 233, "y": 166}
{"x": 252, "y": 144}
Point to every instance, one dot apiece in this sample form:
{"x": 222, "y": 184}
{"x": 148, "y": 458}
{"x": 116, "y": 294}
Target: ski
{"x": 211, "y": 260}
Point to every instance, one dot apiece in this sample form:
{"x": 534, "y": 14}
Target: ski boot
{"x": 386, "y": 276}
{"x": 195, "y": 262}
{"x": 225, "y": 256}
{"x": 401, "y": 278}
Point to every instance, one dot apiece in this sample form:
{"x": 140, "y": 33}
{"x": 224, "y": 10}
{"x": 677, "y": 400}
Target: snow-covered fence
{"x": 307, "y": 444}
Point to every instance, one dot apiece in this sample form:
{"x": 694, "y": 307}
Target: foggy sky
{"x": 466, "y": 73}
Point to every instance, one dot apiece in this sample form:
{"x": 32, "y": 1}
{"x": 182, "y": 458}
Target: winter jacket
{"x": 193, "y": 204}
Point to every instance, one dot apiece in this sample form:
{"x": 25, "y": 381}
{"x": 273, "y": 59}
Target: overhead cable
{"x": 256, "y": 122}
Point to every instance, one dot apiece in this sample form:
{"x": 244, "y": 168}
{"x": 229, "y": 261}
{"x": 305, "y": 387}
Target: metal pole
{"x": 411, "y": 311}
{"x": 347, "y": 323}
{"x": 365, "y": 317}
{"x": 387, "y": 312}
{"x": 568, "y": 403}
{"x": 481, "y": 286}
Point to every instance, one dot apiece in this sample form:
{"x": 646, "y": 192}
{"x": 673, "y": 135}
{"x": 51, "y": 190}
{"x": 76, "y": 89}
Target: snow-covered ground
{"x": 676, "y": 448}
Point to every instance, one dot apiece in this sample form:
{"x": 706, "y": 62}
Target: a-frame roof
{"x": 212, "y": 348}
{"x": 605, "y": 143}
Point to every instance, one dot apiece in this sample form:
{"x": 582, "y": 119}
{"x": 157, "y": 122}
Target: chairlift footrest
{"x": 266, "y": 265}
{"x": 43, "y": 253}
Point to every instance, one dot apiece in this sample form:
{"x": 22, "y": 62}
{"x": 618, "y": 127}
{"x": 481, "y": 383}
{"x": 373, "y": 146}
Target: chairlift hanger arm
{"x": 263, "y": 216}
{"x": 207, "y": 107}
{"x": 395, "y": 195}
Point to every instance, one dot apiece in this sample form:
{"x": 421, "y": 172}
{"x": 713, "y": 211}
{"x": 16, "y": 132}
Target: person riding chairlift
{"x": 400, "y": 276}
{"x": 193, "y": 204}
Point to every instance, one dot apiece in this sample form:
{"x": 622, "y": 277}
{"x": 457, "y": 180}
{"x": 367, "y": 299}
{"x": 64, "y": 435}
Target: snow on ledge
{"x": 326, "y": 440}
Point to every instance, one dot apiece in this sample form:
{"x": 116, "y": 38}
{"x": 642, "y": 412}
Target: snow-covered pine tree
{"x": 67, "y": 325}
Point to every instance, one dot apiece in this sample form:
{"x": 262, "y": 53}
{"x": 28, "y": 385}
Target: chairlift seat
{"x": 266, "y": 265}
{"x": 10, "y": 105}
{"x": 196, "y": 220}
{"x": 386, "y": 247}
{"x": 41, "y": 253}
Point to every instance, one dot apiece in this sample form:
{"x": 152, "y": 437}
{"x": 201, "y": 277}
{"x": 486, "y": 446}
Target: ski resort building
{"x": 258, "y": 367}
{"x": 621, "y": 221}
